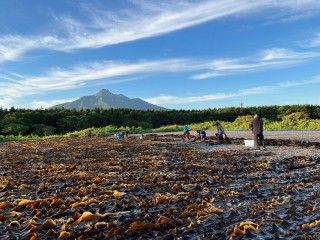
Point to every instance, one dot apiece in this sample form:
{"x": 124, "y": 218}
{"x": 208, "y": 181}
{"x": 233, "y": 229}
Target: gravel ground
{"x": 270, "y": 151}
{"x": 296, "y": 135}
{"x": 313, "y": 136}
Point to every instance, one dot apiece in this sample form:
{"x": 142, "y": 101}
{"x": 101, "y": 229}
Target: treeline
{"x": 60, "y": 121}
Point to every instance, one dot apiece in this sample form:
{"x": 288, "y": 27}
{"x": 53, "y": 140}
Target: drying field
{"x": 158, "y": 188}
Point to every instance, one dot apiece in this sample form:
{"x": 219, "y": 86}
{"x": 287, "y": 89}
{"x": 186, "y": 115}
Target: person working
{"x": 220, "y": 132}
{"x": 202, "y": 134}
{"x": 119, "y": 135}
{"x": 186, "y": 132}
{"x": 256, "y": 127}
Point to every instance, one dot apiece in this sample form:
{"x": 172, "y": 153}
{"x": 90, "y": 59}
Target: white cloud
{"x": 277, "y": 53}
{"x": 174, "y": 100}
{"x": 6, "y": 102}
{"x": 46, "y": 104}
{"x": 169, "y": 100}
{"x": 268, "y": 59}
{"x": 290, "y": 84}
{"x": 283, "y": 53}
{"x": 315, "y": 42}
{"x": 14, "y": 86}
{"x": 146, "y": 19}
{"x": 13, "y": 47}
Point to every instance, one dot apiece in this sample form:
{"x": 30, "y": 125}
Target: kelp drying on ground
{"x": 157, "y": 188}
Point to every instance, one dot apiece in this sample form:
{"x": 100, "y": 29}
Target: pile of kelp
{"x": 156, "y": 188}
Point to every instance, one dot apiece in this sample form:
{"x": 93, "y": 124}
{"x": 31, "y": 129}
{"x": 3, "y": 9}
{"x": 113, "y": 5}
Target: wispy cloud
{"x": 12, "y": 47}
{"x": 15, "y": 86}
{"x": 6, "y": 102}
{"x": 315, "y": 42}
{"x": 46, "y": 104}
{"x": 289, "y": 84}
{"x": 146, "y": 19}
{"x": 169, "y": 100}
{"x": 270, "y": 58}
{"x": 174, "y": 100}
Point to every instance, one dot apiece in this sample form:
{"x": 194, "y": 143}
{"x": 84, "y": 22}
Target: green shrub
{"x": 293, "y": 120}
{"x": 170, "y": 128}
{"x": 15, "y": 129}
{"x": 43, "y": 130}
{"x": 204, "y": 126}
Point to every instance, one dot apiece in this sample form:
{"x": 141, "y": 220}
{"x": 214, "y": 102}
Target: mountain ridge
{"x": 106, "y": 100}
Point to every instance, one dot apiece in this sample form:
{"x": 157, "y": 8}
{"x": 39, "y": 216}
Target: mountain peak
{"x": 103, "y": 92}
{"x": 106, "y": 100}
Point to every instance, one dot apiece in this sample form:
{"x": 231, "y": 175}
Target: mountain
{"x": 106, "y": 100}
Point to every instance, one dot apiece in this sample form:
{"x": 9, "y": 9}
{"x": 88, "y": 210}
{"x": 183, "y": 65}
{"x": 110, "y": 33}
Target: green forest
{"x": 25, "y": 122}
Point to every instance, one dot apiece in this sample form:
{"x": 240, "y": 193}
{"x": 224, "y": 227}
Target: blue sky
{"x": 177, "y": 54}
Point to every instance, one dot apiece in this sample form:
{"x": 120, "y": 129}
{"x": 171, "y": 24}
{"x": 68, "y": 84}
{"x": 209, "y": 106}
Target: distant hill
{"x": 106, "y": 100}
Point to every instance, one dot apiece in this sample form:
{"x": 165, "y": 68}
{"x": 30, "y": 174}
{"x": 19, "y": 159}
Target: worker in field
{"x": 141, "y": 137}
{"x": 119, "y": 135}
{"x": 202, "y": 135}
{"x": 220, "y": 133}
{"x": 256, "y": 127}
{"x": 186, "y": 132}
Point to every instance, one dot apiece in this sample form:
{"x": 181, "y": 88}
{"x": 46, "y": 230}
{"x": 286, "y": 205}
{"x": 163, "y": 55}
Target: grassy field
{"x": 295, "y": 121}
